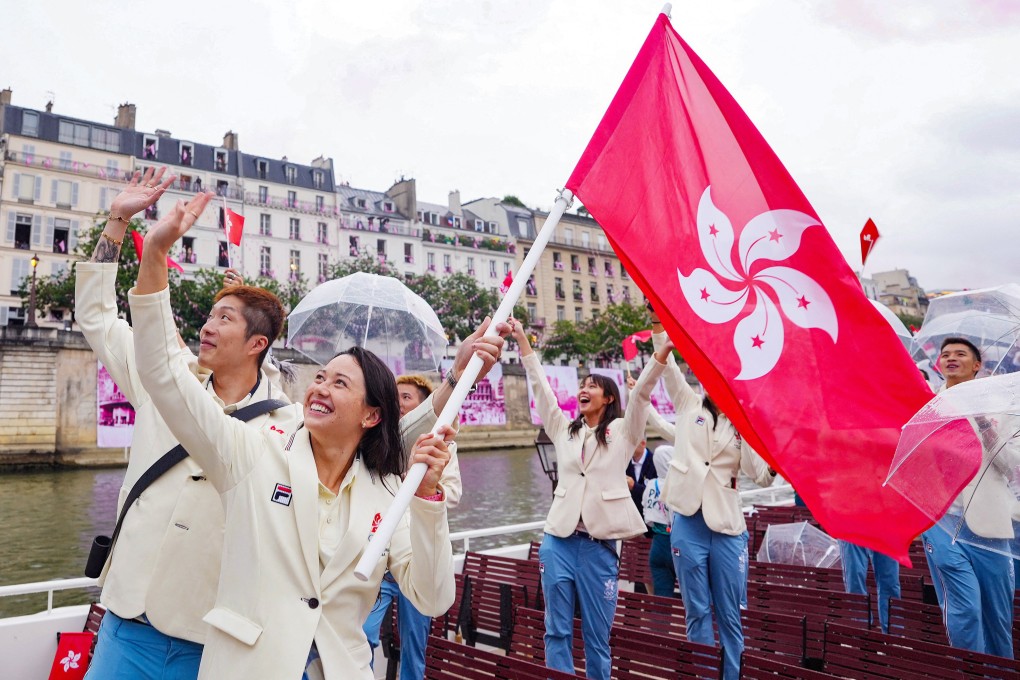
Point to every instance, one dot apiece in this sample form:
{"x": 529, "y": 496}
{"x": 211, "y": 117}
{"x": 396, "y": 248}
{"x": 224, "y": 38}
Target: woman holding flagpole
{"x": 591, "y": 507}
{"x": 709, "y": 534}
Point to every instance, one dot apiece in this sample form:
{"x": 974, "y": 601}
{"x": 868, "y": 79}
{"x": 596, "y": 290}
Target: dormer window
{"x": 150, "y": 146}
{"x": 220, "y": 160}
{"x": 456, "y": 222}
{"x": 317, "y": 179}
{"x": 493, "y": 228}
{"x": 360, "y": 202}
{"x": 262, "y": 168}
{"x": 187, "y": 154}
{"x": 387, "y": 206}
{"x": 291, "y": 174}
{"x": 479, "y": 225}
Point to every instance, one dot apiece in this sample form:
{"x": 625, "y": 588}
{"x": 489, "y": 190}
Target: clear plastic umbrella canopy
{"x": 958, "y": 461}
{"x": 902, "y": 332}
{"x": 990, "y": 318}
{"x": 378, "y": 313}
{"x": 801, "y": 544}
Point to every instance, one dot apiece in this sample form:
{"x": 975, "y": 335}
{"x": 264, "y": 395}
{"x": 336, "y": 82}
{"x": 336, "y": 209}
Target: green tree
{"x": 363, "y": 263}
{"x": 567, "y": 340}
{"x": 600, "y": 338}
{"x": 510, "y": 199}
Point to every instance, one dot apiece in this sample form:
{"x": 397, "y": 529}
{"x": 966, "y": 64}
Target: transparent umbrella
{"x": 958, "y": 461}
{"x": 990, "y": 318}
{"x": 376, "y": 312}
{"x": 902, "y": 332}
{"x": 799, "y": 543}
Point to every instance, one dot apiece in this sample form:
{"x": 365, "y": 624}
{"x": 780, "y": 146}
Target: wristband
{"x": 435, "y": 498}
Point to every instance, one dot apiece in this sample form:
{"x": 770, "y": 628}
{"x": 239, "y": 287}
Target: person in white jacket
{"x": 708, "y": 535}
{"x": 591, "y": 509}
{"x": 301, "y": 508}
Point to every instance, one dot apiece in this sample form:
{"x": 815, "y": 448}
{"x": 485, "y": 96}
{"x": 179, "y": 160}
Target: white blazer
{"x": 172, "y": 539}
{"x": 272, "y": 600}
{"x": 596, "y": 490}
{"x": 706, "y": 460}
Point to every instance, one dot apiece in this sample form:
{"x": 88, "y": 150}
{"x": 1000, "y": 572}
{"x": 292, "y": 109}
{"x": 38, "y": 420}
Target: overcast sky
{"x": 907, "y": 112}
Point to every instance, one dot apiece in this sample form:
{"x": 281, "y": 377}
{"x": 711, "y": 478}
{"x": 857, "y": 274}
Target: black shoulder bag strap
{"x": 102, "y": 545}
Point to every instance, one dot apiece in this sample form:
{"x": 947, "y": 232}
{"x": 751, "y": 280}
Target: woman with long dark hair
{"x": 591, "y": 507}
{"x": 708, "y": 535}
{"x": 300, "y": 506}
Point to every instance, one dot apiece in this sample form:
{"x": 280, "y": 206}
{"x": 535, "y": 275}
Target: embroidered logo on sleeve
{"x": 375, "y": 522}
{"x": 281, "y": 494}
{"x": 700, "y": 420}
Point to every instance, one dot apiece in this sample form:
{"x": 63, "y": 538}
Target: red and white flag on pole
{"x": 630, "y": 350}
{"x": 137, "y": 238}
{"x": 233, "y": 224}
{"x": 753, "y": 291}
{"x": 508, "y": 281}
{"x": 869, "y": 237}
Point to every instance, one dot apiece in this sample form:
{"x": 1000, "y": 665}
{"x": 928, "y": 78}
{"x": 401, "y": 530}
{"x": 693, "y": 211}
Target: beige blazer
{"x": 596, "y": 490}
{"x": 272, "y": 600}
{"x": 172, "y": 538}
{"x": 706, "y": 460}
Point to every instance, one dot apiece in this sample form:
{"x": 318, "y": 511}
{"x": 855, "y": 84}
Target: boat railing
{"x": 48, "y": 587}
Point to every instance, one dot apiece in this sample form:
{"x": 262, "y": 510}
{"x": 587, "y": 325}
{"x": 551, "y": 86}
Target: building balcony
{"x": 432, "y": 268}
{"x": 408, "y": 259}
{"x": 575, "y": 270}
{"x": 471, "y": 272}
{"x": 593, "y": 272}
{"x": 558, "y": 266}
{"x": 492, "y": 243}
{"x": 538, "y": 322}
{"x": 34, "y": 160}
{"x": 578, "y": 297}
{"x": 306, "y": 207}
{"x": 560, "y": 295}
{"x": 385, "y": 228}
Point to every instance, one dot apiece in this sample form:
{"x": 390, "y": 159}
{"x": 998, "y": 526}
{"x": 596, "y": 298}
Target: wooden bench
{"x": 754, "y": 666}
{"x": 528, "y": 639}
{"x": 651, "y": 614}
{"x": 634, "y": 562}
{"x": 863, "y": 655}
{"x": 769, "y": 633}
{"x": 639, "y": 655}
{"x": 509, "y": 570}
{"x": 448, "y": 660}
{"x": 489, "y": 615}
{"x": 917, "y": 621}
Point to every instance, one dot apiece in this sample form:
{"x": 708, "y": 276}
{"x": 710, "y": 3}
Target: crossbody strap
{"x": 179, "y": 453}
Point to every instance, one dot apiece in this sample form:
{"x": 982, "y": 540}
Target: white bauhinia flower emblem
{"x": 71, "y": 660}
{"x": 721, "y": 296}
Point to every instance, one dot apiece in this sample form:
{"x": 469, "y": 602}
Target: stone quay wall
{"x": 48, "y": 402}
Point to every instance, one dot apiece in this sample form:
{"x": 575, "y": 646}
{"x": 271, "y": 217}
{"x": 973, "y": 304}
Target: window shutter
{"x": 18, "y": 271}
{"x": 72, "y": 238}
{"x": 37, "y": 230}
{"x": 102, "y": 199}
{"x": 38, "y": 188}
{"x": 48, "y": 234}
{"x": 17, "y": 182}
{"x": 74, "y": 194}
{"x": 53, "y": 192}
{"x": 11, "y": 217}
{"x": 3, "y": 316}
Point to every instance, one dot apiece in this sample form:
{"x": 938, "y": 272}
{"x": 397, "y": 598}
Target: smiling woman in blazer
{"x": 709, "y": 534}
{"x": 591, "y": 507}
{"x": 299, "y": 508}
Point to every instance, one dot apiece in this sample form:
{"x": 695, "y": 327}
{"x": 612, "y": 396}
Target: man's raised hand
{"x": 175, "y": 224}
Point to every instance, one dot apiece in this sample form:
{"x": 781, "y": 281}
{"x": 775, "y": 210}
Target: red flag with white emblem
{"x": 753, "y": 291}
{"x": 138, "y": 241}
{"x": 869, "y": 237}
{"x": 234, "y": 226}
{"x": 630, "y": 350}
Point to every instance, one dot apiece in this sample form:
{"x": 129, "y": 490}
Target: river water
{"x": 48, "y": 519}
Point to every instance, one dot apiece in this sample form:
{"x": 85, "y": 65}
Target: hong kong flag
{"x": 234, "y": 226}
{"x": 753, "y": 291}
{"x": 630, "y": 350}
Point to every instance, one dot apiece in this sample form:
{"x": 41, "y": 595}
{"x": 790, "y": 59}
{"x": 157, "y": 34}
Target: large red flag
{"x": 753, "y": 290}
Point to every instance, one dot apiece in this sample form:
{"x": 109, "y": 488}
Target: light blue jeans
{"x": 129, "y": 650}
{"x": 712, "y": 570}
{"x": 855, "y": 576}
{"x": 587, "y": 569}
{"x": 413, "y": 626}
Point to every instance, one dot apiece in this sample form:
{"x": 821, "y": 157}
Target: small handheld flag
{"x": 507, "y": 282}
{"x": 869, "y": 237}
{"x": 630, "y": 350}
{"x": 137, "y": 238}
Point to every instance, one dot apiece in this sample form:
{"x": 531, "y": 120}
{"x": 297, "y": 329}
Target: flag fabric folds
{"x": 233, "y": 226}
{"x": 137, "y": 238}
{"x": 753, "y": 291}
{"x": 630, "y": 350}
{"x": 869, "y": 238}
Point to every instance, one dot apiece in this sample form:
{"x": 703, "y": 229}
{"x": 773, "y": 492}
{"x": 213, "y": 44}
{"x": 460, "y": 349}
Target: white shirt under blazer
{"x": 273, "y": 600}
{"x": 706, "y": 460}
{"x": 593, "y": 490}
{"x": 167, "y": 558}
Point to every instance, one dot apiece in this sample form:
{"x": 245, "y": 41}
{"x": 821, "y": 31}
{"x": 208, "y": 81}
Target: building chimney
{"x": 322, "y": 163}
{"x": 230, "y": 140}
{"x": 405, "y": 197}
{"x": 125, "y": 116}
{"x": 49, "y": 106}
{"x": 455, "y": 201}
{"x": 5, "y": 96}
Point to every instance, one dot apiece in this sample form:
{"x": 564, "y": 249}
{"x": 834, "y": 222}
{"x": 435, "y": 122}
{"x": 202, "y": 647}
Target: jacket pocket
{"x": 234, "y": 625}
{"x": 614, "y": 494}
{"x": 679, "y": 465}
{"x": 561, "y": 490}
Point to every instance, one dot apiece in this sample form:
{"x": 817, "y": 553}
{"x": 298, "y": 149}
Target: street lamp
{"x": 547, "y": 456}
{"x": 31, "y": 295}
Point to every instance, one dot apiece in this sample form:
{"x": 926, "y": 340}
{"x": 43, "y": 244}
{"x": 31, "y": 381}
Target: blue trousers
{"x": 660, "y": 562}
{"x": 855, "y": 576}
{"x": 129, "y": 650}
{"x": 975, "y": 591}
{"x": 588, "y": 570}
{"x": 712, "y": 571}
{"x": 413, "y": 626}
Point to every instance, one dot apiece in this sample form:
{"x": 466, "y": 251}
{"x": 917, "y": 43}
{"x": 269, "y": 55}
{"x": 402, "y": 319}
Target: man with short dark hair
{"x": 974, "y": 585}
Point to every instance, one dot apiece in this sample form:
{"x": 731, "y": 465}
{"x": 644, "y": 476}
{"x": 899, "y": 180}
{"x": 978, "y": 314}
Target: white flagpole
{"x": 226, "y": 227}
{"x": 402, "y": 499}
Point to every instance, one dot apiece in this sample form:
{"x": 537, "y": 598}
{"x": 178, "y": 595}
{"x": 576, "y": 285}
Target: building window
{"x": 557, "y": 261}
{"x": 578, "y": 314}
{"x": 355, "y": 246}
{"x": 323, "y": 235}
{"x": 446, "y": 264}
{"x": 290, "y": 172}
{"x": 317, "y": 179}
{"x": 64, "y": 193}
{"x": 223, "y": 255}
{"x": 295, "y": 229}
{"x": 601, "y": 240}
{"x": 30, "y": 124}
{"x": 575, "y": 264}
{"x": 530, "y": 286}
{"x": 594, "y": 290}
{"x": 222, "y": 187}
{"x": 149, "y": 147}
{"x": 431, "y": 259}
{"x": 65, "y": 160}
{"x": 456, "y": 222}
{"x": 323, "y": 267}
{"x": 623, "y": 272}
{"x": 27, "y": 188}
{"x": 492, "y": 269}
{"x": 61, "y": 235}
{"x": 220, "y": 162}
{"x": 561, "y": 313}
{"x": 609, "y": 268}
{"x": 73, "y": 133}
{"x": 532, "y": 312}
{"x": 265, "y": 261}
{"x": 22, "y": 231}
{"x": 387, "y": 206}
{"x": 408, "y": 253}
{"x": 493, "y": 228}
{"x": 263, "y": 195}
{"x": 265, "y": 225}
{"x": 585, "y": 239}
{"x": 187, "y": 154}
{"x": 105, "y": 139}
{"x": 626, "y": 293}
{"x": 380, "y": 248}
{"x": 291, "y": 199}
{"x": 471, "y": 266}
{"x": 479, "y": 225}
{"x": 610, "y": 296}
{"x": 578, "y": 293}
{"x": 560, "y": 295}
{"x": 360, "y": 202}
{"x": 295, "y": 264}
{"x": 568, "y": 236}
{"x": 506, "y": 268}
{"x": 320, "y": 204}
